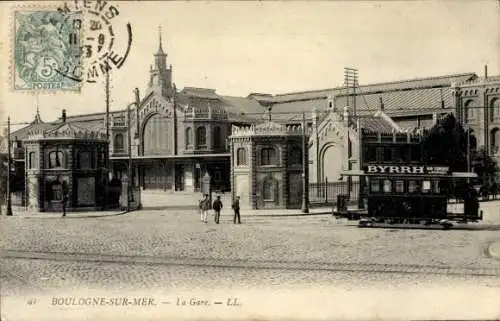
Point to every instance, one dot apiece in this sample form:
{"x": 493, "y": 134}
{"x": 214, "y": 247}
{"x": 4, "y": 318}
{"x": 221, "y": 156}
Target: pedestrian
{"x": 204, "y": 207}
{"x": 236, "y": 209}
{"x": 65, "y": 196}
{"x": 217, "y": 206}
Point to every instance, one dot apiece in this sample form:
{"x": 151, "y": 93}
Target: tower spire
{"x": 160, "y": 47}
{"x": 38, "y": 118}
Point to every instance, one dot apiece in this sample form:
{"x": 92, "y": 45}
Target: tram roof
{"x": 451, "y": 175}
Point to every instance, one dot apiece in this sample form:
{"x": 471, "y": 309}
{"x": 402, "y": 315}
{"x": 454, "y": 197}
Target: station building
{"x": 179, "y": 135}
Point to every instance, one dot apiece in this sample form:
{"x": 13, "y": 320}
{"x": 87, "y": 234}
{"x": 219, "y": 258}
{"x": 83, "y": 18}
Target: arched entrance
{"x": 331, "y": 156}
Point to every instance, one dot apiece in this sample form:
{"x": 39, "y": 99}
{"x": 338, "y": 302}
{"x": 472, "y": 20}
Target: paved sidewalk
{"x": 23, "y": 213}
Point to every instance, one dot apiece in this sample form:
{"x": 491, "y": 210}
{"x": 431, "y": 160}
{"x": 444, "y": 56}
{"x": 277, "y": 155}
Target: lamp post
{"x": 129, "y": 145}
{"x": 9, "y": 199}
{"x": 305, "y": 205}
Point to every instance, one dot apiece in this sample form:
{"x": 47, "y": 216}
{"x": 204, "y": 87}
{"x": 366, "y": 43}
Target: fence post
{"x": 326, "y": 190}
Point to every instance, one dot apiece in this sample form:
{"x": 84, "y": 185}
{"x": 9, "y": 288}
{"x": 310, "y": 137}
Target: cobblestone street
{"x": 168, "y": 253}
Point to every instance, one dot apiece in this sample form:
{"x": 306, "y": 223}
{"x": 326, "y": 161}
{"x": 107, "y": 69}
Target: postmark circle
{"x": 93, "y": 29}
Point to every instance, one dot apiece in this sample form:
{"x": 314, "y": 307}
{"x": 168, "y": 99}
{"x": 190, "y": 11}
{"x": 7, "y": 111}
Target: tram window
{"x": 426, "y": 186}
{"x": 416, "y": 153}
{"x": 400, "y": 187}
{"x": 387, "y": 155}
{"x": 396, "y": 154}
{"x": 437, "y": 187}
{"x": 371, "y": 154}
{"x": 405, "y": 153}
{"x": 412, "y": 186}
{"x": 387, "y": 186}
{"x": 375, "y": 185}
{"x": 380, "y": 154}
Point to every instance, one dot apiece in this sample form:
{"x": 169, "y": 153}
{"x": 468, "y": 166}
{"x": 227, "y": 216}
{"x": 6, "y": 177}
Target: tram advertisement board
{"x": 407, "y": 169}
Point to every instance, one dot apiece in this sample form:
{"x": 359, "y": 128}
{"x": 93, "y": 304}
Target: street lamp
{"x": 305, "y": 205}
{"x": 9, "y": 199}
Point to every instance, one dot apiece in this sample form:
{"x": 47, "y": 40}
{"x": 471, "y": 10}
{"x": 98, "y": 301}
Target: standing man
{"x": 236, "y": 208}
{"x": 65, "y": 196}
{"x": 204, "y": 207}
{"x": 217, "y": 208}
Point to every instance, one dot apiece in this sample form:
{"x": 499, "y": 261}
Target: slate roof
{"x": 422, "y": 95}
{"x": 400, "y": 98}
{"x": 376, "y": 124}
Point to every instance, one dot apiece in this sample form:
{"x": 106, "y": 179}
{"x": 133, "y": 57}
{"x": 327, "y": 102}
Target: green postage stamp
{"x": 44, "y": 43}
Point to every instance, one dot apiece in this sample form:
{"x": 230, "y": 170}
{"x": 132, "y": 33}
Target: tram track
{"x": 355, "y": 267}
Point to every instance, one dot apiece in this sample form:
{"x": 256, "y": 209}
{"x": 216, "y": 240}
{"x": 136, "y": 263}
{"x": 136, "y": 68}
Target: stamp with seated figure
{"x": 44, "y": 41}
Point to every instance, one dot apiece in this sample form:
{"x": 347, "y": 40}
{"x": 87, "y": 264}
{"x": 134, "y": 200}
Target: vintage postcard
{"x": 249, "y": 160}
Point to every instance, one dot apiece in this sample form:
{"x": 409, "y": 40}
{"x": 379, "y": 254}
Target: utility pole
{"x": 351, "y": 82}
{"x": 9, "y": 199}
{"x": 305, "y": 202}
{"x": 108, "y": 140}
{"x": 129, "y": 144}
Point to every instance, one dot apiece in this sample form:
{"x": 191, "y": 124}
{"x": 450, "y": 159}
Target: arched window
{"x": 56, "y": 159}
{"x": 469, "y": 110}
{"x": 158, "y": 135}
{"x": 268, "y": 156}
{"x": 241, "y": 156}
{"x": 189, "y": 138}
{"x": 33, "y": 162}
{"x": 118, "y": 143}
{"x": 201, "y": 136}
{"x": 216, "y": 137}
{"x": 495, "y": 109}
{"x": 495, "y": 140}
{"x": 295, "y": 156}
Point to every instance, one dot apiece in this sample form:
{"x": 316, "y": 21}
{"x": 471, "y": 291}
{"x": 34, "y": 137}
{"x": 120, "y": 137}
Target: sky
{"x": 274, "y": 47}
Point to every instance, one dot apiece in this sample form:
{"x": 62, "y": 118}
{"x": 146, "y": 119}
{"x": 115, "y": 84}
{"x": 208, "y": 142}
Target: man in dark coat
{"x": 217, "y": 206}
{"x": 65, "y": 196}
{"x": 236, "y": 208}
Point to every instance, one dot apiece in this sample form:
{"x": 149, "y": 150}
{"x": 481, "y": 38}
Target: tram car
{"x": 399, "y": 187}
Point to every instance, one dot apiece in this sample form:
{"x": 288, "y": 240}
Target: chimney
{"x": 442, "y": 99}
{"x": 485, "y": 71}
{"x": 381, "y": 104}
{"x": 63, "y": 115}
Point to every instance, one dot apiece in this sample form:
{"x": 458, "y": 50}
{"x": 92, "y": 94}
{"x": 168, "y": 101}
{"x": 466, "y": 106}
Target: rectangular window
{"x": 387, "y": 155}
{"x": 405, "y": 153}
{"x": 375, "y": 185}
{"x": 426, "y": 186}
{"x": 387, "y": 186}
{"x": 396, "y": 154}
{"x": 437, "y": 187}
{"x": 380, "y": 154}
{"x": 416, "y": 153}
{"x": 57, "y": 192}
{"x": 412, "y": 186}
{"x": 400, "y": 186}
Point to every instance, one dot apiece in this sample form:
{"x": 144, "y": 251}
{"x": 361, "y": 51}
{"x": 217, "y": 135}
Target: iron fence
{"x": 325, "y": 193}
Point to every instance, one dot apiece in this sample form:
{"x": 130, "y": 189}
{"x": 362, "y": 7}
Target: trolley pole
{"x": 305, "y": 205}
{"x": 9, "y": 199}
